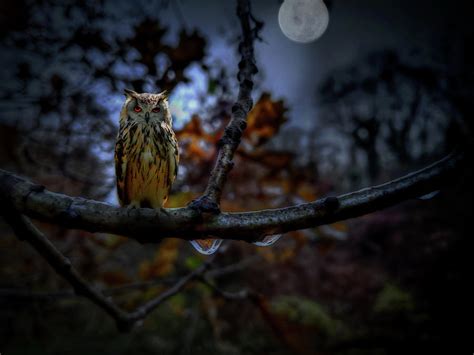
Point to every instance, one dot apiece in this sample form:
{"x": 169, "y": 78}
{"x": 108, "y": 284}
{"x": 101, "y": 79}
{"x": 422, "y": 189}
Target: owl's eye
{"x": 137, "y": 109}
{"x": 156, "y": 109}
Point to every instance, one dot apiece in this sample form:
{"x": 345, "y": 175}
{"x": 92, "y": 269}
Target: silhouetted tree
{"x": 391, "y": 112}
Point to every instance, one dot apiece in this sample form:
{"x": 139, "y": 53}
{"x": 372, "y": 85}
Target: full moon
{"x": 303, "y": 21}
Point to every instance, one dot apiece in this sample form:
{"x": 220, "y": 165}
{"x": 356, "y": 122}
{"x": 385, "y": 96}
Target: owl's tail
{"x": 206, "y": 246}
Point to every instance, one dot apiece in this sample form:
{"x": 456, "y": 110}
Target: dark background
{"x": 386, "y": 90}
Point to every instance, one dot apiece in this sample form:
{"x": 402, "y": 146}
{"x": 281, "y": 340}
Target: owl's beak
{"x": 147, "y": 117}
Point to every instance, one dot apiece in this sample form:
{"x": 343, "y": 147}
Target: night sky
{"x": 290, "y": 70}
{"x": 356, "y": 27}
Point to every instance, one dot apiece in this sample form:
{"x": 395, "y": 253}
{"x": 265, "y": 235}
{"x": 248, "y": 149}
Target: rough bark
{"x": 148, "y": 225}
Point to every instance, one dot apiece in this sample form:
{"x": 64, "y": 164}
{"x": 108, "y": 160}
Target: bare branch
{"x": 150, "y": 306}
{"x": 209, "y": 201}
{"x": 26, "y": 231}
{"x": 26, "y": 295}
{"x": 241, "y": 295}
{"x": 17, "y": 294}
{"x": 149, "y": 225}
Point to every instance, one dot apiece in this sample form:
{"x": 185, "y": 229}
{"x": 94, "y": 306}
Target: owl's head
{"x": 146, "y": 108}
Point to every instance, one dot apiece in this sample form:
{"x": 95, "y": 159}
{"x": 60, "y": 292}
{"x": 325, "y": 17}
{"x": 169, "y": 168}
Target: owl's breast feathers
{"x": 146, "y": 163}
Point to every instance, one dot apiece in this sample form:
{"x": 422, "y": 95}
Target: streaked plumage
{"x": 146, "y": 151}
{"x": 146, "y": 155}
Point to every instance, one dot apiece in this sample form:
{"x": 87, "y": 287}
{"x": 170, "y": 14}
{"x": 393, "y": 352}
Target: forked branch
{"x": 25, "y": 230}
{"x": 149, "y": 225}
{"x": 228, "y": 144}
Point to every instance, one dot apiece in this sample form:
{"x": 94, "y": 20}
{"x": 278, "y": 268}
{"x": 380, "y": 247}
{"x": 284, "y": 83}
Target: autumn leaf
{"x": 271, "y": 159}
{"x": 264, "y": 120}
{"x": 193, "y": 129}
{"x": 115, "y": 278}
{"x": 163, "y": 262}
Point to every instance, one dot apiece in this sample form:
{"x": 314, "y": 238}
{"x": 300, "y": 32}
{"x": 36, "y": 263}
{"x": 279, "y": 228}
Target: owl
{"x": 146, "y": 154}
{"x": 146, "y": 151}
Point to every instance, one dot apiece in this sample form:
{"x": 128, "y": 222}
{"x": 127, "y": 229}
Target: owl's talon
{"x": 204, "y": 204}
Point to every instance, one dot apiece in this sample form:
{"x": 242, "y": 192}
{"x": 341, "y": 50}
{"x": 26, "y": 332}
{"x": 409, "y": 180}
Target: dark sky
{"x": 356, "y": 27}
{"x": 290, "y": 70}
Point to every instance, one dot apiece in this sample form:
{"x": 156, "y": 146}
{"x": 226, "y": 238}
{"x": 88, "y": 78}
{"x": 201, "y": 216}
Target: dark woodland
{"x": 355, "y": 149}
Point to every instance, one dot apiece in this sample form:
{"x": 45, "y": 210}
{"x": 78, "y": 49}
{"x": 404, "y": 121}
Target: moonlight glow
{"x": 303, "y": 20}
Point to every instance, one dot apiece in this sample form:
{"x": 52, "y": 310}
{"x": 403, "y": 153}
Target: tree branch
{"x": 209, "y": 201}
{"x": 26, "y": 231}
{"x": 149, "y": 225}
{"x": 144, "y": 310}
{"x": 25, "y": 295}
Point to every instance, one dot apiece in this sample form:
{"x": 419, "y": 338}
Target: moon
{"x": 303, "y": 21}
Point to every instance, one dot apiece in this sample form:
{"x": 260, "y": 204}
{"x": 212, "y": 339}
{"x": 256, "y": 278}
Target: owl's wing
{"x": 121, "y": 171}
{"x": 173, "y": 164}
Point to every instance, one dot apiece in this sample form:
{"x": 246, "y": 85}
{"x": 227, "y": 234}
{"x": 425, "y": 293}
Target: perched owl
{"x": 146, "y": 154}
{"x": 146, "y": 151}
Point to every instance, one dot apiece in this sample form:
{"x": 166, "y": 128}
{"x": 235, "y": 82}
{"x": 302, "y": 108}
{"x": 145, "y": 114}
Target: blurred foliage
{"x": 393, "y": 299}
{"x": 308, "y": 313}
{"x": 163, "y": 260}
{"x": 395, "y": 111}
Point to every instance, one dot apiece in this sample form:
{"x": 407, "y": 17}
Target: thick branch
{"x": 238, "y": 122}
{"x": 148, "y": 225}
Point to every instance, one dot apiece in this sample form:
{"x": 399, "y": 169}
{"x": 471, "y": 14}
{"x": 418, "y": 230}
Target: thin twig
{"x": 241, "y": 295}
{"x": 25, "y": 295}
{"x": 26, "y": 231}
{"x": 210, "y": 200}
{"x": 215, "y": 273}
{"x": 142, "y": 311}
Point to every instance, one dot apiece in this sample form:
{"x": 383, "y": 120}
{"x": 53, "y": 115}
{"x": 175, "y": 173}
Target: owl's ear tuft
{"x": 164, "y": 95}
{"x": 130, "y": 93}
